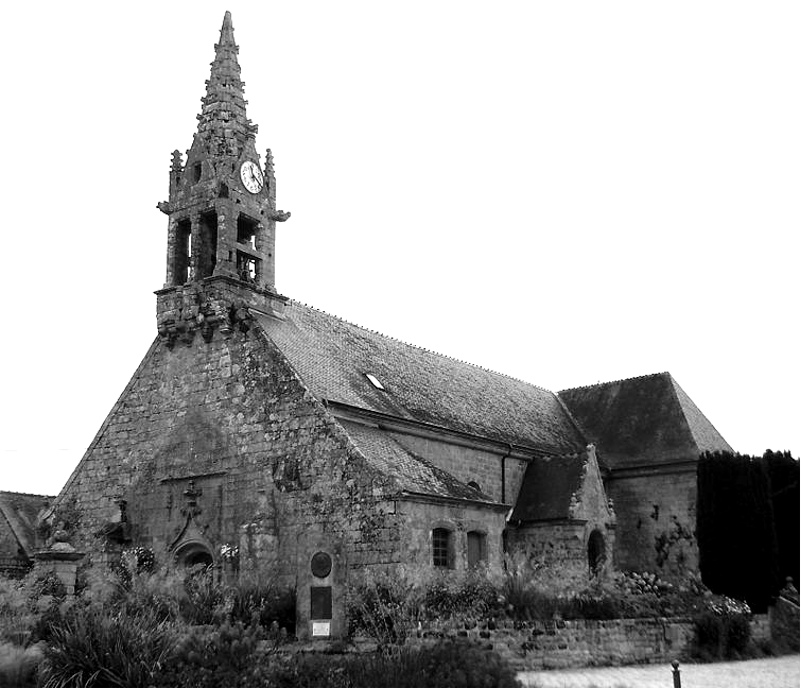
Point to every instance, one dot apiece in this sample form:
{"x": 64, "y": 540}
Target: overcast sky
{"x": 565, "y": 192}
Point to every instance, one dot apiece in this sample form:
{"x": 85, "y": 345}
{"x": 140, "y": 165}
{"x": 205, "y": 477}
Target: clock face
{"x": 251, "y": 176}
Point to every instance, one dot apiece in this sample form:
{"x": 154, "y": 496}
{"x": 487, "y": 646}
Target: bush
{"x": 16, "y": 614}
{"x": 447, "y": 664}
{"x": 18, "y": 666}
{"x": 93, "y": 646}
{"x": 722, "y": 630}
{"x": 208, "y": 657}
{"x": 263, "y": 601}
{"x": 467, "y": 596}
{"x": 204, "y": 601}
{"x": 383, "y": 607}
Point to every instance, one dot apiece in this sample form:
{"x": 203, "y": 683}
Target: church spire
{"x": 221, "y": 235}
{"x": 222, "y": 123}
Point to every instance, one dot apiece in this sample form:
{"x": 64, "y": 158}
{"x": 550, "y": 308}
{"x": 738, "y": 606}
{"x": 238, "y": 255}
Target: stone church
{"x": 261, "y": 426}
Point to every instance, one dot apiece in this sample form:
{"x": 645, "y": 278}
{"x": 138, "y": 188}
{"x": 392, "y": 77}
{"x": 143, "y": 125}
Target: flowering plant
{"x": 642, "y": 583}
{"x": 726, "y": 606}
{"x": 229, "y": 553}
{"x": 139, "y": 559}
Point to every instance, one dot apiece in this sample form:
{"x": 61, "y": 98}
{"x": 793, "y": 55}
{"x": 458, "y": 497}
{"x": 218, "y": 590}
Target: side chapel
{"x": 321, "y": 448}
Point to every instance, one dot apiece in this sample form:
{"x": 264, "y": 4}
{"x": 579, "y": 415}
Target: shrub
{"x": 447, "y": 664}
{"x": 466, "y": 597}
{"x": 204, "y": 601}
{"x": 16, "y": 615}
{"x": 208, "y": 657}
{"x": 263, "y": 600}
{"x": 94, "y": 646}
{"x": 18, "y": 666}
{"x": 588, "y": 606}
{"x": 383, "y": 607}
{"x": 722, "y": 630}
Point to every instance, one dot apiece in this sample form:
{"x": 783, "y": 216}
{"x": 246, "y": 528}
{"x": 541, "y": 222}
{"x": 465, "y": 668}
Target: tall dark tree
{"x": 738, "y": 552}
{"x": 783, "y": 472}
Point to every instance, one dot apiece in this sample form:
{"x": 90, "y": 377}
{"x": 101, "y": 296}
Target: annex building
{"x": 259, "y": 425}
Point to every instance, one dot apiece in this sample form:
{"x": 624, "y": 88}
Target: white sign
{"x": 321, "y": 628}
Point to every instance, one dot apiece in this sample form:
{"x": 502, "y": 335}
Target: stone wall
{"x": 420, "y": 518}
{"x": 531, "y": 646}
{"x": 561, "y": 545}
{"x": 218, "y": 443}
{"x": 784, "y": 616}
{"x": 485, "y": 465}
{"x": 656, "y": 511}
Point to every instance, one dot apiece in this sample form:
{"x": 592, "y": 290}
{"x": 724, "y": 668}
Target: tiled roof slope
{"x": 20, "y": 511}
{"x": 333, "y": 356}
{"x": 642, "y": 420}
{"x": 410, "y": 473}
{"x": 548, "y": 485}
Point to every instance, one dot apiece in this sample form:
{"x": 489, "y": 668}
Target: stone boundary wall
{"x": 531, "y": 646}
{"x": 783, "y": 621}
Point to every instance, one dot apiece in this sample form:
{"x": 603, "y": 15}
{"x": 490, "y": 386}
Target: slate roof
{"x": 409, "y": 472}
{"x": 333, "y": 357}
{"x": 548, "y": 485}
{"x": 642, "y": 420}
{"x": 20, "y": 511}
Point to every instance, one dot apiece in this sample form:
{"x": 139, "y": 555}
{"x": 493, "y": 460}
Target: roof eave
{"x": 442, "y": 499}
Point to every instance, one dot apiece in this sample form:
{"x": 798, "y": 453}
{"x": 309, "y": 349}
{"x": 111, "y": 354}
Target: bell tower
{"x": 222, "y": 213}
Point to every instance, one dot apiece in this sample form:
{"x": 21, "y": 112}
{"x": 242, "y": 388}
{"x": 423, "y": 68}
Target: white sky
{"x": 566, "y": 192}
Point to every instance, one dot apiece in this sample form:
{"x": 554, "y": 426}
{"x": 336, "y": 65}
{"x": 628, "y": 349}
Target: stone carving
{"x": 279, "y": 215}
{"x": 191, "y": 495}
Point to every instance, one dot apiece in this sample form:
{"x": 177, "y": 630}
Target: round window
{"x": 321, "y": 564}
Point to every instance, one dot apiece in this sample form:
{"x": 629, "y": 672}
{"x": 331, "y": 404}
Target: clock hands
{"x": 252, "y": 177}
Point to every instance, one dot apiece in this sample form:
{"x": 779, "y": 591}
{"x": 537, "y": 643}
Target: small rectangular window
{"x": 476, "y": 548}
{"x": 441, "y": 548}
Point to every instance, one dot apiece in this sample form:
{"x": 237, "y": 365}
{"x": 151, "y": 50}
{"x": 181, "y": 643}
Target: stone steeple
{"x": 221, "y": 235}
{"x": 223, "y": 124}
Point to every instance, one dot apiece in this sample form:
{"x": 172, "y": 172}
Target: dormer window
{"x": 375, "y": 381}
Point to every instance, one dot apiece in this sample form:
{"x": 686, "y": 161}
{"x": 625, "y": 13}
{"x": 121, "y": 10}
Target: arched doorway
{"x": 193, "y": 554}
{"x": 596, "y": 552}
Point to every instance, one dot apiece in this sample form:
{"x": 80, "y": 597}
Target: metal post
{"x": 676, "y": 674}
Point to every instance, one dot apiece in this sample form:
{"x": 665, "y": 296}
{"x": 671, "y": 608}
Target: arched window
{"x": 476, "y": 548}
{"x": 596, "y": 552}
{"x": 441, "y": 548}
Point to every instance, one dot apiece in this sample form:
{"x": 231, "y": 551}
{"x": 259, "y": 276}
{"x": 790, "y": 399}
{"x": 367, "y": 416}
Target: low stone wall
{"x": 567, "y": 644}
{"x": 784, "y": 624}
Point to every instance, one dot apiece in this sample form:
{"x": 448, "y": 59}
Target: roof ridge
{"x": 623, "y": 379}
{"x": 26, "y": 494}
{"x": 422, "y": 348}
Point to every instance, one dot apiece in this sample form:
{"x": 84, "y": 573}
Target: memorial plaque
{"x": 320, "y": 602}
{"x": 321, "y": 629}
{"x": 321, "y": 564}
